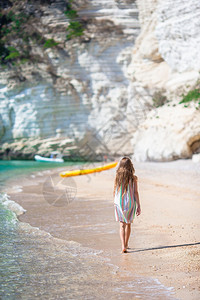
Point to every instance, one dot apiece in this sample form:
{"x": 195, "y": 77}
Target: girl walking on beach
{"x": 126, "y": 199}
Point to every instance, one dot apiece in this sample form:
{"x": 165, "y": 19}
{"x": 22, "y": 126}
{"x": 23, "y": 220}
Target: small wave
{"x": 17, "y": 188}
{"x": 11, "y": 205}
{"x": 146, "y": 289}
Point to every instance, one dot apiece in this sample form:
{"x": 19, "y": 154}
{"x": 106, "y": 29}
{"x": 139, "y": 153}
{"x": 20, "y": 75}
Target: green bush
{"x": 71, "y": 14}
{"x": 13, "y": 53}
{"x": 50, "y": 43}
{"x": 193, "y": 95}
{"x": 17, "y": 20}
{"x": 75, "y": 29}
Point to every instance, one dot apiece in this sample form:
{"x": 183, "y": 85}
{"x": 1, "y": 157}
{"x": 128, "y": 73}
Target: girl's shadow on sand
{"x": 161, "y": 247}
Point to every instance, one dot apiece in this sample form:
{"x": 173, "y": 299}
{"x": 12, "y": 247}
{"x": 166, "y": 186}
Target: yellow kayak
{"x": 88, "y": 171}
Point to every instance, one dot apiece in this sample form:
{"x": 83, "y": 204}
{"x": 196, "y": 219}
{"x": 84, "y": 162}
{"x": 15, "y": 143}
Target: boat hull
{"x": 48, "y": 159}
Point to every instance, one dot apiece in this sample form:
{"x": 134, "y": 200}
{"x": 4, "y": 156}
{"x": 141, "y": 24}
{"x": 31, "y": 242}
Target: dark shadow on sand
{"x": 162, "y": 247}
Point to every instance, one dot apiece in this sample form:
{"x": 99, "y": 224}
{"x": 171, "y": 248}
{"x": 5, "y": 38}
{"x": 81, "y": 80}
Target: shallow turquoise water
{"x": 14, "y": 168}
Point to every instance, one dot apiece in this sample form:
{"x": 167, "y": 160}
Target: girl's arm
{"x": 136, "y": 195}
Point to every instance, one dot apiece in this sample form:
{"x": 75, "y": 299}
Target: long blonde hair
{"x": 124, "y": 174}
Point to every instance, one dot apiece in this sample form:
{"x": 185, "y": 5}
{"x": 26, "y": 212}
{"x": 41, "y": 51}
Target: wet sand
{"x": 165, "y": 239}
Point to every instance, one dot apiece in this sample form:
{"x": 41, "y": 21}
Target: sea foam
{"x": 11, "y": 205}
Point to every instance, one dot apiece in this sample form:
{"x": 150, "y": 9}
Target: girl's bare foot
{"x": 124, "y": 250}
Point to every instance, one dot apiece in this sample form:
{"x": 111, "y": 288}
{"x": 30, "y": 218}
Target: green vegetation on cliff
{"x": 12, "y": 27}
{"x": 18, "y": 33}
{"x": 75, "y": 28}
{"x": 50, "y": 43}
{"x": 193, "y": 95}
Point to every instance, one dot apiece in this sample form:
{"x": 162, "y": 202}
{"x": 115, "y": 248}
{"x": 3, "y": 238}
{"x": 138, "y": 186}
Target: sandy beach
{"x": 165, "y": 239}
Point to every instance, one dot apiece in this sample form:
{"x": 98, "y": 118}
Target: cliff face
{"x": 79, "y": 87}
{"x": 97, "y": 90}
{"x": 166, "y": 54}
{"x": 167, "y": 61}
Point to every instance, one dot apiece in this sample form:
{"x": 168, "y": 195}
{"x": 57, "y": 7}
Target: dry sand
{"x": 165, "y": 239}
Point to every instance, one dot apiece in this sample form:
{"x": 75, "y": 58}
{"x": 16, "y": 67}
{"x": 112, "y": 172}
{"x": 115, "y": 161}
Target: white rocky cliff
{"x": 97, "y": 91}
{"x": 167, "y": 59}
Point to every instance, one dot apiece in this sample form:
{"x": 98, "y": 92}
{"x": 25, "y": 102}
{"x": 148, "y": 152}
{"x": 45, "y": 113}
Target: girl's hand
{"x": 138, "y": 211}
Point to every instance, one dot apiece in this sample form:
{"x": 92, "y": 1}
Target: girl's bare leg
{"x": 127, "y": 234}
{"x": 122, "y": 235}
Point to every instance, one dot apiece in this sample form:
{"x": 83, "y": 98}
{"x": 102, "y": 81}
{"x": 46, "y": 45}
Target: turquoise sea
{"x": 14, "y": 168}
{"x": 35, "y": 265}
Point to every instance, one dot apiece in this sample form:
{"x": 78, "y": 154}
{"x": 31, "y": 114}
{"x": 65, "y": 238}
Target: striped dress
{"x": 125, "y": 206}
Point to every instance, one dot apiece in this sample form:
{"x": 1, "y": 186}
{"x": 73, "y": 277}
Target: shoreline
{"x": 151, "y": 230}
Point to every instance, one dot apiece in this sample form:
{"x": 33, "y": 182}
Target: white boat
{"x": 54, "y": 157}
